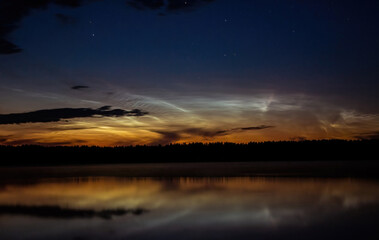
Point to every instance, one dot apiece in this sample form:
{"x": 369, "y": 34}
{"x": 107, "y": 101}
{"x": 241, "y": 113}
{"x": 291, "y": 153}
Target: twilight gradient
{"x": 205, "y": 71}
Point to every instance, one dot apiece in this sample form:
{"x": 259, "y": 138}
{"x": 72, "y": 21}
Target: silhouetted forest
{"x": 322, "y": 150}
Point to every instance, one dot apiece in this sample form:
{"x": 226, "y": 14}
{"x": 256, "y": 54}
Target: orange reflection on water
{"x": 180, "y": 206}
{"x": 119, "y": 192}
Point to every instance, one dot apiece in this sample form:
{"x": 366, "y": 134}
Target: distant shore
{"x": 214, "y": 170}
{"x": 303, "y": 151}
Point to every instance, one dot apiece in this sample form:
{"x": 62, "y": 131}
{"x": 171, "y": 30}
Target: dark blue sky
{"x": 200, "y": 49}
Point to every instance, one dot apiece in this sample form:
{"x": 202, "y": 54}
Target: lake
{"x": 80, "y": 203}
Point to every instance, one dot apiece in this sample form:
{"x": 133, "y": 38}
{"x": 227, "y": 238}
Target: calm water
{"x": 188, "y": 208}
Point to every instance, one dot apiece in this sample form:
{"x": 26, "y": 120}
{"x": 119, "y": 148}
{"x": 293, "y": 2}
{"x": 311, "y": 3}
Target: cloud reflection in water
{"x": 187, "y": 207}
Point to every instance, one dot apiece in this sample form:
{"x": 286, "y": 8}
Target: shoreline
{"x": 293, "y": 169}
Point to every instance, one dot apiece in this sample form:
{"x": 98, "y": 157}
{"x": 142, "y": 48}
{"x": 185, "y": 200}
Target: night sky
{"x": 126, "y": 72}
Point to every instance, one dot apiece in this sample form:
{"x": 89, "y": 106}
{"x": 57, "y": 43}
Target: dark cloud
{"x": 228, "y": 131}
{"x": 254, "y": 128}
{"x": 69, "y": 3}
{"x": 172, "y": 136}
{"x": 146, "y": 4}
{"x": 168, "y": 6}
{"x": 298, "y": 139}
{"x": 105, "y": 108}
{"x": 42, "y": 143}
{"x": 3, "y": 139}
{"x": 13, "y": 11}
{"x": 368, "y": 136}
{"x": 65, "y": 213}
{"x": 69, "y": 128}
{"x": 211, "y": 133}
{"x": 166, "y": 138}
{"x": 180, "y": 5}
{"x": 55, "y": 115}
{"x": 7, "y": 47}
{"x": 78, "y": 87}
{"x": 65, "y": 19}
{"x": 200, "y": 132}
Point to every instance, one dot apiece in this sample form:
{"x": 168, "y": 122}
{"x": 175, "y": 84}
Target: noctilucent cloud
{"x": 126, "y": 72}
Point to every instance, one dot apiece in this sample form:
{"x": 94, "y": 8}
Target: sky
{"x": 128, "y": 72}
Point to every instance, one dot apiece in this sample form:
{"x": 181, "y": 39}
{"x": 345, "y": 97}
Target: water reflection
{"x": 187, "y": 208}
